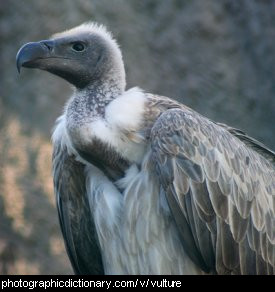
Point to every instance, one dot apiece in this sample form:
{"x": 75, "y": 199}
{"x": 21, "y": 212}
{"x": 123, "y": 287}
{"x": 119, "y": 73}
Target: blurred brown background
{"x": 217, "y": 56}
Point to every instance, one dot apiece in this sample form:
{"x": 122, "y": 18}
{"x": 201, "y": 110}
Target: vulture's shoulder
{"x": 194, "y": 121}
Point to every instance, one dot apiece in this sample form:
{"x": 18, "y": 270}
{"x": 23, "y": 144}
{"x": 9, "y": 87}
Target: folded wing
{"x": 221, "y": 192}
{"x": 74, "y": 213}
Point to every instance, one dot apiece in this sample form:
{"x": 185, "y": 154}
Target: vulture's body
{"x": 145, "y": 185}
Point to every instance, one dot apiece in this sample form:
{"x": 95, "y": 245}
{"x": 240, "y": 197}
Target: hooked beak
{"x": 30, "y": 54}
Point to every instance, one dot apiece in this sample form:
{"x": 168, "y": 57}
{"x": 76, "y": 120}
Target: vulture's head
{"x": 81, "y": 56}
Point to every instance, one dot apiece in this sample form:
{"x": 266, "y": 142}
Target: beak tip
{"x": 18, "y": 68}
{"x": 18, "y": 61}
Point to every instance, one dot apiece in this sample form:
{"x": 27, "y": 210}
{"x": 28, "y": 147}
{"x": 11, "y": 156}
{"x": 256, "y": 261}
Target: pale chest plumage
{"x": 136, "y": 232}
{"x": 118, "y": 127}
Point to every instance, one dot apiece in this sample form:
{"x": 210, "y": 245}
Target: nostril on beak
{"x": 48, "y": 44}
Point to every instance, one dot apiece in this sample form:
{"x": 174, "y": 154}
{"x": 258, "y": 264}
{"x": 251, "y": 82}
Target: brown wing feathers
{"x": 74, "y": 214}
{"x": 223, "y": 188}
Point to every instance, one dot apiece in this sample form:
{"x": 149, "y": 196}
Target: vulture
{"x": 145, "y": 184}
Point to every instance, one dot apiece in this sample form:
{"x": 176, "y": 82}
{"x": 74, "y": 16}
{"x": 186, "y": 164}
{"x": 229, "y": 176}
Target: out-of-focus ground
{"x": 217, "y": 56}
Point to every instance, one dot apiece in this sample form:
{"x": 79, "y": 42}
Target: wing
{"x": 221, "y": 192}
{"x": 74, "y": 214}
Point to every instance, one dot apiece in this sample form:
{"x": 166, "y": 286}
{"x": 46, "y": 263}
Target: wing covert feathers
{"x": 220, "y": 188}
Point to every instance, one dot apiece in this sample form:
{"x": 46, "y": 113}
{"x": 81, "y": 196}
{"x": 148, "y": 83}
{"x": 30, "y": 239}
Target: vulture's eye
{"x": 78, "y": 47}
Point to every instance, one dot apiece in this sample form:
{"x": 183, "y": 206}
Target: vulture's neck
{"x": 93, "y": 99}
{"x": 110, "y": 84}
{"x": 87, "y": 106}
